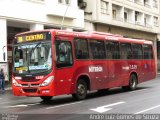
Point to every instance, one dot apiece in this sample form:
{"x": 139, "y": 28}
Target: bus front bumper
{"x": 33, "y": 91}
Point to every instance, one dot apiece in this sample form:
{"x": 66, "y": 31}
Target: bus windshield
{"x": 32, "y": 58}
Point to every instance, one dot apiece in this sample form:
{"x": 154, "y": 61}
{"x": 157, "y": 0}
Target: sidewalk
{"x": 7, "y": 85}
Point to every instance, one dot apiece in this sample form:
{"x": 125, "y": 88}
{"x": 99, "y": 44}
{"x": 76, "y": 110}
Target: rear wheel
{"x": 81, "y": 90}
{"x": 46, "y": 98}
{"x": 133, "y": 81}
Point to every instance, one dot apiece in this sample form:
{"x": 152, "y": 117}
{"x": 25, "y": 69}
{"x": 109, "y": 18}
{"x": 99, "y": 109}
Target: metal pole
{"x": 64, "y": 16}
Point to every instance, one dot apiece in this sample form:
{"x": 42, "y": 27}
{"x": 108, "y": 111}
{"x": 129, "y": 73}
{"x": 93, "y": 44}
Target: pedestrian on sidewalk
{"x": 2, "y": 79}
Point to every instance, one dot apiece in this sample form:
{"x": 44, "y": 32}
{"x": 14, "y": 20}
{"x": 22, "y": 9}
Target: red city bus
{"x": 56, "y": 62}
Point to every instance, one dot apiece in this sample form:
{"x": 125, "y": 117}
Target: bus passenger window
{"x": 81, "y": 48}
{"x": 137, "y": 51}
{"x": 147, "y": 52}
{"x": 63, "y": 54}
{"x": 112, "y": 49}
{"x": 126, "y": 51}
{"x": 97, "y": 49}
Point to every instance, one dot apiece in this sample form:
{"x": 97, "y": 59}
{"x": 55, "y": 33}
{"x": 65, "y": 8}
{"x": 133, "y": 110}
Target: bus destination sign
{"x": 31, "y": 37}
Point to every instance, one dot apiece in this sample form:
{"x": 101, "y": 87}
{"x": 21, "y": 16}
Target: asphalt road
{"x": 144, "y": 100}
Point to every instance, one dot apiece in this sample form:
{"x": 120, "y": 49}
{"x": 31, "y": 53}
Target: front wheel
{"x": 81, "y": 90}
{"x": 46, "y": 98}
{"x": 133, "y": 81}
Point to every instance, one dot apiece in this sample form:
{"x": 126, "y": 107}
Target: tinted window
{"x": 112, "y": 49}
{"x": 147, "y": 51}
{"x": 137, "y": 51}
{"x": 63, "y": 53}
{"x": 126, "y": 52}
{"x": 81, "y": 48}
{"x": 97, "y": 49}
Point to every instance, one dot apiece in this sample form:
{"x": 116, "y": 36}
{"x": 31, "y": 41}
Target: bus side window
{"x": 81, "y": 48}
{"x": 112, "y": 49}
{"x": 97, "y": 49}
{"x": 147, "y": 52}
{"x": 126, "y": 52}
{"x": 137, "y": 51}
{"x": 63, "y": 54}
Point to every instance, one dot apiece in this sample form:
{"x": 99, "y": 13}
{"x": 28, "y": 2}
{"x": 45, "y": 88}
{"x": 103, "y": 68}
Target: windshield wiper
{"x": 30, "y": 54}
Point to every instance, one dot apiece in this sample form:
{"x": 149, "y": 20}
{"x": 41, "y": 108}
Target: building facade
{"x": 130, "y": 18}
{"x": 23, "y": 15}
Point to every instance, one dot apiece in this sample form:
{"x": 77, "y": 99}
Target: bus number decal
{"x": 130, "y": 67}
{"x": 133, "y": 67}
{"x": 95, "y": 69}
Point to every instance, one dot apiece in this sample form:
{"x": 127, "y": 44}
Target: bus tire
{"x": 133, "y": 81}
{"x": 46, "y": 98}
{"x": 81, "y": 90}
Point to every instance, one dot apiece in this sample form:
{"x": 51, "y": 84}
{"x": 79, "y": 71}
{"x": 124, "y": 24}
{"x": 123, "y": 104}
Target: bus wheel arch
{"x": 82, "y": 85}
{"x": 132, "y": 82}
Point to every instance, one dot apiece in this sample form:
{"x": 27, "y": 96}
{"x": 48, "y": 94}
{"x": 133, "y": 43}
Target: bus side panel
{"x": 149, "y": 70}
{"x": 96, "y": 72}
{"x": 64, "y": 80}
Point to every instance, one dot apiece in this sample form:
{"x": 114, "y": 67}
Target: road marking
{"x": 22, "y": 105}
{"x": 63, "y": 105}
{"x": 16, "y": 106}
{"x": 16, "y": 101}
{"x": 105, "y": 108}
{"x": 147, "y": 109}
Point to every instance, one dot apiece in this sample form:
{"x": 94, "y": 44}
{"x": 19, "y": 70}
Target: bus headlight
{"x": 47, "y": 81}
{"x": 15, "y": 83}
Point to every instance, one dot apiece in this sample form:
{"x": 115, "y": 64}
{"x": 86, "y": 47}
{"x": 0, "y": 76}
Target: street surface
{"x": 144, "y": 100}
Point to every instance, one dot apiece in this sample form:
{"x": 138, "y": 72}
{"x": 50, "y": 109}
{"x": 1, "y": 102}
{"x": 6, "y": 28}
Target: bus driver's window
{"x": 63, "y": 54}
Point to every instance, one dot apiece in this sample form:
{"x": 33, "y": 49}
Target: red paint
{"x": 103, "y": 73}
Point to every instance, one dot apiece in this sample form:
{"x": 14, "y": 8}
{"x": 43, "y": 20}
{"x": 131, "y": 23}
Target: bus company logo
{"x": 95, "y": 69}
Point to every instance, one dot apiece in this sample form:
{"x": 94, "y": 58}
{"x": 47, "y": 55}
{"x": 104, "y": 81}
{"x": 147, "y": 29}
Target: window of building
{"x": 67, "y": 2}
{"x": 147, "y": 51}
{"x": 63, "y": 54}
{"x": 114, "y": 14}
{"x": 137, "y": 51}
{"x": 112, "y": 49}
{"x": 97, "y": 49}
{"x": 36, "y": 0}
{"x": 155, "y": 3}
{"x": 81, "y": 48}
{"x": 125, "y": 51}
{"x": 155, "y": 21}
{"x": 136, "y": 15}
{"x": 104, "y": 7}
{"x": 125, "y": 16}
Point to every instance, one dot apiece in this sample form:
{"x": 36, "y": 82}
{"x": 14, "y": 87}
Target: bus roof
{"x": 93, "y": 35}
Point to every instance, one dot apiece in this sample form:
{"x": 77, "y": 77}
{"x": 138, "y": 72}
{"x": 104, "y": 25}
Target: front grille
{"x": 29, "y": 79}
{"x": 32, "y": 85}
{"x": 31, "y": 90}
